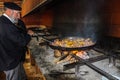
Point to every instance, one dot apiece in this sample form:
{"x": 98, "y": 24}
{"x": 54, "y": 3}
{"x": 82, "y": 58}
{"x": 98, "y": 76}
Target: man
{"x": 13, "y": 41}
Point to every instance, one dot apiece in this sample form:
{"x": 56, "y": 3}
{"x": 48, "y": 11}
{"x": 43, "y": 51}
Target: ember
{"x": 82, "y": 54}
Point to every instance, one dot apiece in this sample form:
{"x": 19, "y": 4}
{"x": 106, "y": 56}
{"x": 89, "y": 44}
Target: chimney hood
{"x": 29, "y": 6}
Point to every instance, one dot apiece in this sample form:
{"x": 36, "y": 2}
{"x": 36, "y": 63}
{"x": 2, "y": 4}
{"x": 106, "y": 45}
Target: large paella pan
{"x": 72, "y": 43}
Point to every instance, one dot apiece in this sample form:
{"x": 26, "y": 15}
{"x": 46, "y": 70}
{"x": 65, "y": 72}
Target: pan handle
{"x": 47, "y": 40}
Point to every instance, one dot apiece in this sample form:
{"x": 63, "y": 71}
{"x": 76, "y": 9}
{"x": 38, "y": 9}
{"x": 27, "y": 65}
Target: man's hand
{"x": 30, "y": 32}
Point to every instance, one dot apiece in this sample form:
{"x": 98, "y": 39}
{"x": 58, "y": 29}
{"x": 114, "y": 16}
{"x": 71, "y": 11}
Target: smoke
{"x": 79, "y": 18}
{"x": 90, "y": 22}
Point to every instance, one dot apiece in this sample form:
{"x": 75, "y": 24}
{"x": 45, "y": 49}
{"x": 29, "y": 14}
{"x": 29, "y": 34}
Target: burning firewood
{"x": 57, "y": 53}
{"x": 64, "y": 60}
{"x": 72, "y": 60}
{"x": 82, "y": 54}
{"x": 67, "y": 57}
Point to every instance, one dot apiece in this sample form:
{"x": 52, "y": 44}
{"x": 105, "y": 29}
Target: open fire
{"x": 66, "y": 56}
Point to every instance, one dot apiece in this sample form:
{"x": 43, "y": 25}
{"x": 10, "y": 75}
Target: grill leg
{"x": 112, "y": 61}
{"x": 77, "y": 73}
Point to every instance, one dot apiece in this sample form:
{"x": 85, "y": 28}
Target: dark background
{"x": 81, "y": 18}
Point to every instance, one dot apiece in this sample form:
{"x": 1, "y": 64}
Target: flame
{"x": 75, "y": 52}
{"x": 82, "y": 54}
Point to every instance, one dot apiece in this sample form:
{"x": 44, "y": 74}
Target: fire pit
{"x": 76, "y": 48}
{"x": 45, "y": 59}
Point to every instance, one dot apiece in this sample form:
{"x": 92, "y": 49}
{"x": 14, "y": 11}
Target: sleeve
{"x": 16, "y": 37}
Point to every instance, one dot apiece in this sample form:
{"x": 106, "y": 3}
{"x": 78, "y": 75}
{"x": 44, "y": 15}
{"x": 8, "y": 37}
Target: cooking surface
{"x": 46, "y": 61}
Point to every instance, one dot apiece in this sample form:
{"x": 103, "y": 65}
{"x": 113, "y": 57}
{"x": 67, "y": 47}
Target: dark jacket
{"x": 21, "y": 26}
{"x": 12, "y": 44}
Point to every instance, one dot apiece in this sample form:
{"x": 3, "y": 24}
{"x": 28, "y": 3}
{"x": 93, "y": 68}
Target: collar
{"x": 7, "y": 17}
